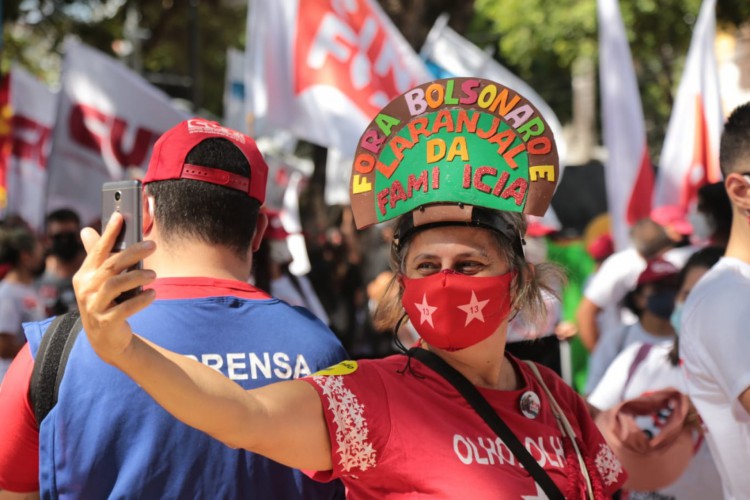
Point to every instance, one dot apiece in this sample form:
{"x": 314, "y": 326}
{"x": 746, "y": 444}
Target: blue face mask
{"x": 661, "y": 303}
{"x": 676, "y": 317}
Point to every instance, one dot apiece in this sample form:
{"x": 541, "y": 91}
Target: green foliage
{"x": 34, "y": 32}
{"x": 541, "y": 40}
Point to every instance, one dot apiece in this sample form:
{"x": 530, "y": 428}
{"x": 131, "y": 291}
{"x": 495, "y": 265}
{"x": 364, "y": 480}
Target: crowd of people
{"x": 231, "y": 376}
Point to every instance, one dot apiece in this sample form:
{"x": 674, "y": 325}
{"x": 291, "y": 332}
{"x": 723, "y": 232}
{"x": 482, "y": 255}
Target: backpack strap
{"x": 50, "y": 361}
{"x": 639, "y": 357}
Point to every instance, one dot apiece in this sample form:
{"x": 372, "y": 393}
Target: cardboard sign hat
{"x": 448, "y": 146}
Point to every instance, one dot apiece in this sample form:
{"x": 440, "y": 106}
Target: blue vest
{"x": 106, "y": 438}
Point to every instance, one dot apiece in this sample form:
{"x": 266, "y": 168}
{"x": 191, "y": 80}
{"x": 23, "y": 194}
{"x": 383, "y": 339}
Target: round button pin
{"x": 530, "y": 404}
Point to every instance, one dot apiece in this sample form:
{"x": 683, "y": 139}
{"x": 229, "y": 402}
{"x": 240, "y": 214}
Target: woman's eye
{"x": 469, "y": 267}
{"x": 427, "y": 265}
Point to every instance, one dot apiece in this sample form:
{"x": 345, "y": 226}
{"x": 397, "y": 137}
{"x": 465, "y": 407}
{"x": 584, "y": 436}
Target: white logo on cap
{"x": 197, "y": 126}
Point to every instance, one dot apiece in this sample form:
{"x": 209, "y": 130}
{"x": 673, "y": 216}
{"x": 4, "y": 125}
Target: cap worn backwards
{"x": 171, "y": 150}
{"x": 449, "y": 146}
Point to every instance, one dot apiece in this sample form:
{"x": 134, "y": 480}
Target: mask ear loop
{"x": 403, "y": 349}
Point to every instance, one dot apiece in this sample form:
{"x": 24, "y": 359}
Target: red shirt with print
{"x": 400, "y": 432}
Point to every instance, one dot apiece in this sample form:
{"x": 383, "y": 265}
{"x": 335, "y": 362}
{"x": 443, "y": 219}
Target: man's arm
{"x": 19, "y": 433}
{"x": 9, "y": 345}
{"x": 282, "y": 421}
{"x": 588, "y": 328}
{"x": 9, "y": 495}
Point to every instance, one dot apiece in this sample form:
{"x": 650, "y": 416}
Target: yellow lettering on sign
{"x": 435, "y": 150}
{"x": 542, "y": 172}
{"x": 360, "y": 184}
{"x": 458, "y": 148}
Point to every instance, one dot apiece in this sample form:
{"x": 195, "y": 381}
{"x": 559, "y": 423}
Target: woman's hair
{"x": 526, "y": 287}
{"x": 713, "y": 201}
{"x": 13, "y": 242}
{"x": 706, "y": 258}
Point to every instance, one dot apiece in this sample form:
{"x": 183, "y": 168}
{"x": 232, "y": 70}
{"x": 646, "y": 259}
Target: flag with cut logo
{"x": 323, "y": 68}
{"x": 108, "y": 120}
{"x": 690, "y": 155}
{"x": 33, "y": 105}
{"x": 628, "y": 174}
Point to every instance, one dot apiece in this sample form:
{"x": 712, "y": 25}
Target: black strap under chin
{"x": 483, "y": 408}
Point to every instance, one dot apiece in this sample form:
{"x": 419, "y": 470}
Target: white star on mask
{"x": 426, "y": 311}
{"x": 473, "y": 309}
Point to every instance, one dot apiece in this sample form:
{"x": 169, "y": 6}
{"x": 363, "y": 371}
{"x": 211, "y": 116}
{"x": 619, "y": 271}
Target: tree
{"x": 541, "y": 40}
{"x": 164, "y": 50}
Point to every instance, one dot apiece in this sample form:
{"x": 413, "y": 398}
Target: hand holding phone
{"x": 124, "y": 197}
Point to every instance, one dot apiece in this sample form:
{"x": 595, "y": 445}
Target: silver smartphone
{"x": 124, "y": 197}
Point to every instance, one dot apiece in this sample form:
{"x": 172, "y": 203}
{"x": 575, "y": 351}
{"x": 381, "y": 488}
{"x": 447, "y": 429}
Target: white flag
{"x": 690, "y": 155}
{"x": 448, "y": 54}
{"x": 108, "y": 120}
{"x": 234, "y": 91}
{"x": 628, "y": 173}
{"x": 323, "y": 68}
{"x": 33, "y": 106}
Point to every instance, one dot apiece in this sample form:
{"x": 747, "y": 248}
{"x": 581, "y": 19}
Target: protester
{"x": 64, "y": 256}
{"x": 394, "y": 427}
{"x": 272, "y": 274}
{"x": 619, "y": 272}
{"x": 645, "y": 367}
{"x": 711, "y": 216}
{"x": 602, "y": 313}
{"x": 714, "y": 342}
{"x": 105, "y": 438}
{"x": 22, "y": 252}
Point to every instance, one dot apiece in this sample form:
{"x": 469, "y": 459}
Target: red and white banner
{"x": 628, "y": 173}
{"x": 690, "y": 155}
{"x": 323, "y": 68}
{"x": 33, "y": 106}
{"x": 107, "y": 122}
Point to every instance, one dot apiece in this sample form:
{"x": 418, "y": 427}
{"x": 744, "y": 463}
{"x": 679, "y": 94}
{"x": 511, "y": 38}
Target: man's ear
{"x": 260, "y": 229}
{"x": 147, "y": 217}
{"x": 738, "y": 189}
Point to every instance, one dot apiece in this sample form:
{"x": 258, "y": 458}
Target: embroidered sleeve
{"x": 355, "y": 407}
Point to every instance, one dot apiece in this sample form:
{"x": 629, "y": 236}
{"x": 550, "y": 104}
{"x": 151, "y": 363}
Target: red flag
{"x": 629, "y": 175}
{"x": 690, "y": 156}
{"x": 323, "y": 69}
{"x": 108, "y": 120}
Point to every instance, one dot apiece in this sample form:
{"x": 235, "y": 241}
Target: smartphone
{"x": 124, "y": 197}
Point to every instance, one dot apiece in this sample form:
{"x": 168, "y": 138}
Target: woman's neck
{"x": 483, "y": 364}
{"x": 656, "y": 326}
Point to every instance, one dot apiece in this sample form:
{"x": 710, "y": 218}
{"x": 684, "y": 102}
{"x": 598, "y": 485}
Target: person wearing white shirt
{"x": 715, "y": 344}
{"x": 647, "y": 367}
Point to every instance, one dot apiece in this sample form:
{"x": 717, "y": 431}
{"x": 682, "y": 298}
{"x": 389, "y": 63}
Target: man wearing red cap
{"x": 104, "y": 438}
{"x": 714, "y": 340}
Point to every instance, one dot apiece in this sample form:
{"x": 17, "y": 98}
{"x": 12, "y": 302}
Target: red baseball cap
{"x": 275, "y": 229}
{"x": 672, "y": 216}
{"x": 658, "y": 270}
{"x": 170, "y": 151}
{"x": 602, "y": 247}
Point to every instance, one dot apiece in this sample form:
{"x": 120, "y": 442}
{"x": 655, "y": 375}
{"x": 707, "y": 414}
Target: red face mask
{"x": 454, "y": 311}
